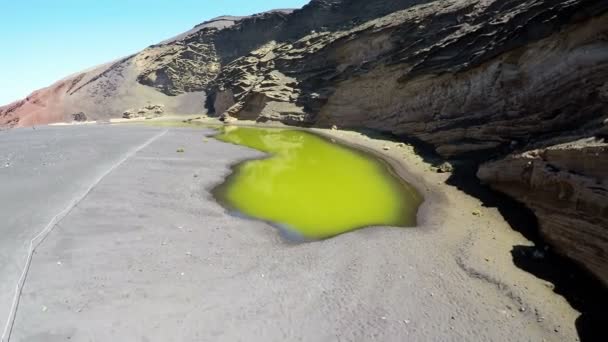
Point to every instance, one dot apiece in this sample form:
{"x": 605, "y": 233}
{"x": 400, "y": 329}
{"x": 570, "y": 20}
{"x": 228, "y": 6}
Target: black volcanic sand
{"x": 148, "y": 254}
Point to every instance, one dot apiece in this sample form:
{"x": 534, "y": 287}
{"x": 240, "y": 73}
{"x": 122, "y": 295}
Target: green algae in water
{"x": 313, "y": 187}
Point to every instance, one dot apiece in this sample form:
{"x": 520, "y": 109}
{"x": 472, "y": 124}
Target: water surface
{"x": 313, "y": 188}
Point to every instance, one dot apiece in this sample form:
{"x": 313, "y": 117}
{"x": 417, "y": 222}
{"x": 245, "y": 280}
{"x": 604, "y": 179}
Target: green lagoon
{"x": 312, "y": 188}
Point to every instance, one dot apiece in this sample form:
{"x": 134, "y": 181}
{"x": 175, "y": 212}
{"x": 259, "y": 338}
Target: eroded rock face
{"x": 566, "y": 186}
{"x": 184, "y": 66}
{"x": 464, "y": 76}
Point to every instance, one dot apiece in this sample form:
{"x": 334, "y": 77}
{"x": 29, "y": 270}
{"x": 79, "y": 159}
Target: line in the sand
{"x": 38, "y": 239}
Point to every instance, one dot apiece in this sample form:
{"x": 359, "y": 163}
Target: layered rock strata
{"x": 566, "y": 186}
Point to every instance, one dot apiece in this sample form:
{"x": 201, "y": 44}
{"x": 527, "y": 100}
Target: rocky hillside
{"x": 521, "y": 86}
{"x": 172, "y": 74}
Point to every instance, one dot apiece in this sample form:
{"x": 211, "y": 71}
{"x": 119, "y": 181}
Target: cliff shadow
{"x": 583, "y": 291}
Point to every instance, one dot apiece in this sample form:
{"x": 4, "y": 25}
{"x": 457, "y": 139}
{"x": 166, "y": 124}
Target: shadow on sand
{"x": 582, "y": 290}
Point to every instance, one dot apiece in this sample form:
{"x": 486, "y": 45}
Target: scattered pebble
{"x": 383, "y": 318}
{"x": 44, "y": 308}
{"x": 476, "y": 213}
{"x": 445, "y": 168}
{"x": 59, "y": 263}
{"x": 195, "y": 176}
{"x": 182, "y": 274}
{"x": 406, "y": 321}
{"x": 334, "y": 128}
{"x": 386, "y": 148}
{"x": 180, "y": 150}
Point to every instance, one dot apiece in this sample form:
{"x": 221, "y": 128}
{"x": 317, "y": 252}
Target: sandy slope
{"x": 102, "y": 92}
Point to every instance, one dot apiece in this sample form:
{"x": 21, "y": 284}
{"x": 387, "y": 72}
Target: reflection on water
{"x": 312, "y": 188}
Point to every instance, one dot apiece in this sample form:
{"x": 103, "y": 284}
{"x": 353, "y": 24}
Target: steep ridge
{"x": 519, "y": 86}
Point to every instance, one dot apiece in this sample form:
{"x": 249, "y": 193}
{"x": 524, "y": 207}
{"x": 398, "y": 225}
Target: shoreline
{"x": 432, "y": 197}
{"x": 393, "y": 170}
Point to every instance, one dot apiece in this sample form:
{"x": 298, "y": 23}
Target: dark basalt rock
{"x": 79, "y": 117}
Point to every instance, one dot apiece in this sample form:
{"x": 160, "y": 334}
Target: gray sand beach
{"x": 148, "y": 255}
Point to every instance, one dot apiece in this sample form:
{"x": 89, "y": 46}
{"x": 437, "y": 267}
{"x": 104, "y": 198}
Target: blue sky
{"x": 42, "y": 41}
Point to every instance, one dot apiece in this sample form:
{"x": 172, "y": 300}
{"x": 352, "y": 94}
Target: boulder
{"x": 79, "y": 117}
{"x": 128, "y": 114}
{"x": 445, "y": 168}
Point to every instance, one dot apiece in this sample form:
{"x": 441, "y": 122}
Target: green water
{"x": 313, "y": 188}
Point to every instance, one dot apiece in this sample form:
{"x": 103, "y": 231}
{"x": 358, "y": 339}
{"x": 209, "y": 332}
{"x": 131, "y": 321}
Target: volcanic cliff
{"x": 518, "y": 86}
